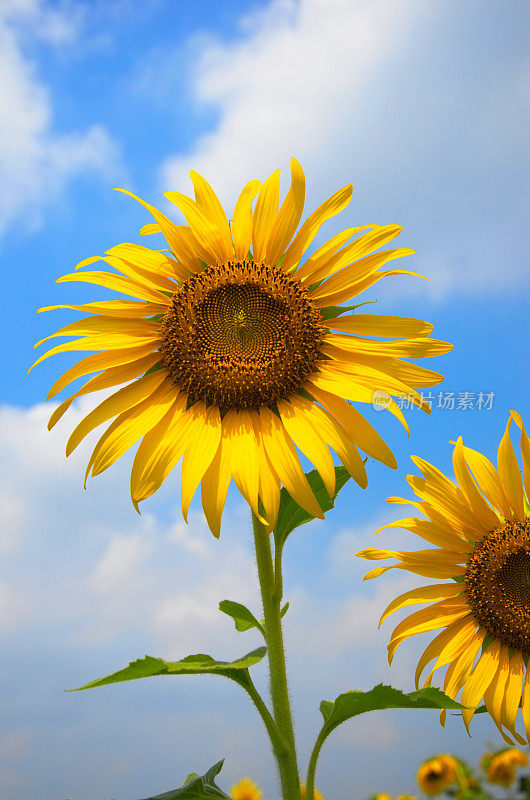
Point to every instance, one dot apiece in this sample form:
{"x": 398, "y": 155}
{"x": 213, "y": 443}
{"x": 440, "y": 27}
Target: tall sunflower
{"x": 230, "y": 354}
{"x": 480, "y": 527}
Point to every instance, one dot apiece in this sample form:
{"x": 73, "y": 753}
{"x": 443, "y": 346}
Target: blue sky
{"x": 422, "y": 106}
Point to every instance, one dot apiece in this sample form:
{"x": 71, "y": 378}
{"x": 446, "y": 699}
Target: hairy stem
{"x": 271, "y": 598}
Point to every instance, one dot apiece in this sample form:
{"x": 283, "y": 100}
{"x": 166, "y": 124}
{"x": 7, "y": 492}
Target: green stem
{"x": 310, "y": 782}
{"x": 271, "y": 598}
{"x": 272, "y": 729}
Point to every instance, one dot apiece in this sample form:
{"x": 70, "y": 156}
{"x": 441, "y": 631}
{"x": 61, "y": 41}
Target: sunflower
{"x": 480, "y": 529}
{"x": 500, "y": 766}
{"x": 246, "y": 789}
{"x": 230, "y": 354}
{"x": 436, "y": 774}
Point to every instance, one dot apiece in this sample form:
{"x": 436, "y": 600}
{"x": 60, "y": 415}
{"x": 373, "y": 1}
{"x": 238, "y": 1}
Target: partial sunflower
{"x": 229, "y": 351}
{"x": 436, "y": 774}
{"x": 246, "y": 789}
{"x": 500, "y": 766}
{"x": 480, "y": 529}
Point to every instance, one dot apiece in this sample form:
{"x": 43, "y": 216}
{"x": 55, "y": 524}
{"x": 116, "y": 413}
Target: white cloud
{"x": 36, "y": 161}
{"x": 393, "y": 97}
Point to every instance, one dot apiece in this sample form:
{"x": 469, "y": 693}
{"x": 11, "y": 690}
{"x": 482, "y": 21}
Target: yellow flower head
{"x": 235, "y": 352}
{"x": 246, "y": 790}
{"x": 437, "y": 774}
{"x": 381, "y": 797}
{"x": 406, "y": 797}
{"x": 479, "y": 527}
{"x": 316, "y": 793}
{"x": 500, "y": 767}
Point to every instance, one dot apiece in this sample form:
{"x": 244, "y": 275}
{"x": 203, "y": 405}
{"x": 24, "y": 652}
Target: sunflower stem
{"x": 271, "y": 598}
{"x": 310, "y": 780}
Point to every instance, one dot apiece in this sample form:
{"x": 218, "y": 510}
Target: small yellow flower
{"x": 246, "y": 790}
{"x": 316, "y": 793}
{"x": 437, "y": 774}
{"x": 404, "y": 797}
{"x": 500, "y": 767}
{"x": 381, "y": 797}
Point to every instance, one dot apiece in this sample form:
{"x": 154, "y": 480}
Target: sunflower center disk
{"x": 498, "y": 584}
{"x": 241, "y": 335}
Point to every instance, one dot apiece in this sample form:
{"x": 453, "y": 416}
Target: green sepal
{"x": 196, "y": 787}
{"x": 198, "y": 664}
{"x": 243, "y": 618}
{"x": 351, "y": 704}
{"x": 154, "y": 368}
{"x": 291, "y": 515}
{"x": 335, "y": 311}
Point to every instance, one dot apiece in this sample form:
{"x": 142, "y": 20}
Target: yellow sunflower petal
{"x": 526, "y": 703}
{"x": 214, "y": 488}
{"x": 118, "y": 283}
{"x": 172, "y": 234}
{"x": 289, "y": 215}
{"x": 425, "y": 594}
{"x": 296, "y": 418}
{"x": 202, "y": 227}
{"x": 96, "y": 362}
{"x": 380, "y": 325}
{"x": 115, "y": 308}
{"x": 120, "y": 342}
{"x": 120, "y": 401}
{"x": 242, "y": 219}
{"x": 130, "y": 426}
{"x": 356, "y": 288}
{"x": 213, "y": 210}
{"x": 354, "y": 251}
{"x": 241, "y": 442}
{"x": 357, "y": 427}
{"x": 488, "y": 479}
{"x": 265, "y": 214}
{"x": 484, "y": 512}
{"x": 458, "y": 672}
{"x": 90, "y": 326}
{"x": 336, "y": 437}
{"x": 438, "y": 615}
{"x": 333, "y": 205}
{"x": 494, "y": 694}
{"x": 479, "y": 680}
{"x": 282, "y": 454}
{"x": 525, "y": 451}
{"x": 202, "y": 445}
{"x": 269, "y": 487}
{"x": 352, "y": 274}
{"x": 446, "y": 647}
{"x": 110, "y": 377}
{"x": 509, "y": 474}
{"x": 309, "y": 270}
{"x": 443, "y": 537}
{"x": 512, "y": 694}
{"x": 400, "y": 348}
{"x": 159, "y": 451}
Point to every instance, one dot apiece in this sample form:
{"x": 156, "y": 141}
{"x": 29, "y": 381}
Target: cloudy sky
{"x": 423, "y": 106}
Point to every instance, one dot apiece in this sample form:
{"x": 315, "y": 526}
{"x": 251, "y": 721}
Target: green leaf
{"x": 244, "y": 619}
{"x": 291, "y": 515}
{"x": 335, "y": 311}
{"x": 199, "y": 664}
{"x": 196, "y": 787}
{"x": 353, "y": 703}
